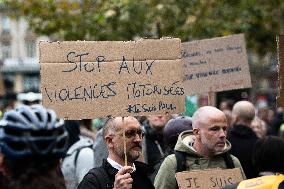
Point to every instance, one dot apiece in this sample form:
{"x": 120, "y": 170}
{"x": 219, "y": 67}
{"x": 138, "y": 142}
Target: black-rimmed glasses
{"x": 131, "y": 133}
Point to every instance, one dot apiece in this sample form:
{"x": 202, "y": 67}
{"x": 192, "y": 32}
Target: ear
{"x": 196, "y": 132}
{"x": 236, "y": 119}
{"x": 109, "y": 140}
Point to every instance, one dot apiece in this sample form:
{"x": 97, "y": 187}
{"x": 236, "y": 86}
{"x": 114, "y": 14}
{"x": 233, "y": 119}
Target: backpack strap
{"x": 102, "y": 176}
{"x": 78, "y": 151}
{"x": 181, "y": 161}
{"x": 228, "y": 160}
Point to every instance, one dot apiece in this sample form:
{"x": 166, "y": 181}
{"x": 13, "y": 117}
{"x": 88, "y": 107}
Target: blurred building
{"x": 20, "y": 67}
{"x": 18, "y": 54}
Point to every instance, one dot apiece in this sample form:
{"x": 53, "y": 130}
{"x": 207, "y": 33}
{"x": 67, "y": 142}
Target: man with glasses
{"x": 113, "y": 173}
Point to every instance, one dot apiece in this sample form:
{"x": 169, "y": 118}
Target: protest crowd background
{"x": 233, "y": 122}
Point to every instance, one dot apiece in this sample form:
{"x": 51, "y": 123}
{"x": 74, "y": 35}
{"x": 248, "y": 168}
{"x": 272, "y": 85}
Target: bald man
{"x": 204, "y": 147}
{"x": 113, "y": 173}
{"x": 242, "y": 137}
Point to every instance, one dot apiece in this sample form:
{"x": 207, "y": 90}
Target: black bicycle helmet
{"x": 32, "y": 131}
{"x": 174, "y": 127}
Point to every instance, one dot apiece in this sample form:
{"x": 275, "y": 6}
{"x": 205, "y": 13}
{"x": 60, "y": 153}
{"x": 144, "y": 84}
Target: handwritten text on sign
{"x": 209, "y": 179}
{"x": 100, "y": 86}
{"x": 215, "y": 65}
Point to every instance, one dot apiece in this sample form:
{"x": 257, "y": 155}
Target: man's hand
{"x": 123, "y": 178}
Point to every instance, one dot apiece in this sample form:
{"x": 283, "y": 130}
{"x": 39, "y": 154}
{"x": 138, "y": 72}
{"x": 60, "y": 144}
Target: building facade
{"x": 20, "y": 64}
{"x": 18, "y": 54}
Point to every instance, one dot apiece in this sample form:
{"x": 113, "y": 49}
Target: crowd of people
{"x": 41, "y": 151}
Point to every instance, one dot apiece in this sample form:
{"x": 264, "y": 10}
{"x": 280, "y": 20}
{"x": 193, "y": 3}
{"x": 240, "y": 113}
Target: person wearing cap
{"x": 173, "y": 129}
{"x": 113, "y": 173}
{"x": 32, "y": 142}
{"x": 205, "y": 147}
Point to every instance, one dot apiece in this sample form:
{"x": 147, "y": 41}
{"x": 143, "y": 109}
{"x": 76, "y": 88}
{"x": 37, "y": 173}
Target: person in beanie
{"x": 171, "y": 132}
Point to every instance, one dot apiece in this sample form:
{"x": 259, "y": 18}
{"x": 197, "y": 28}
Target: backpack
{"x": 181, "y": 161}
{"x": 69, "y": 166}
{"x": 78, "y": 152}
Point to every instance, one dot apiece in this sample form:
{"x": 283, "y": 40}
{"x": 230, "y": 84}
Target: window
{"x": 9, "y": 80}
{"x": 31, "y": 82}
{"x": 30, "y": 48}
{"x": 6, "y": 24}
{"x": 6, "y": 50}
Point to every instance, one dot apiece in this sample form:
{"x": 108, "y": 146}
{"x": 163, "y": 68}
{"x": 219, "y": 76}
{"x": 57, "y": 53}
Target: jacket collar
{"x": 141, "y": 168}
{"x": 243, "y": 130}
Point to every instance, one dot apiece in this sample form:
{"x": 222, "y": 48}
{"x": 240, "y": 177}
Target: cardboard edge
{"x": 242, "y": 35}
{"x": 278, "y": 101}
{"x": 44, "y": 45}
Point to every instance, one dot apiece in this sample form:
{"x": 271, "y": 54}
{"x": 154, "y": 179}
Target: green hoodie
{"x": 165, "y": 178}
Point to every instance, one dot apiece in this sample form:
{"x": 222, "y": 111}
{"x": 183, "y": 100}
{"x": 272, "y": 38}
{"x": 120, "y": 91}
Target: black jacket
{"x": 243, "y": 140}
{"x": 274, "y": 127}
{"x": 153, "y": 140}
{"x": 103, "y": 177}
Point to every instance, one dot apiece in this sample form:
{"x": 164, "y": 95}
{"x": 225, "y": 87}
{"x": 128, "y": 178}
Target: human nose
{"x": 223, "y": 133}
{"x": 138, "y": 137}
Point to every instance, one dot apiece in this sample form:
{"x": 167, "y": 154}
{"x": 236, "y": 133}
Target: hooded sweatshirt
{"x": 166, "y": 174}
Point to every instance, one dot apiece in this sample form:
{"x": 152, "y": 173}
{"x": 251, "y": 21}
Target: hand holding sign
{"x": 123, "y": 178}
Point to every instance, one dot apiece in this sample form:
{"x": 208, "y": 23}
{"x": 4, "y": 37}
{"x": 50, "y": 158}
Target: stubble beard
{"x": 210, "y": 149}
{"x": 131, "y": 154}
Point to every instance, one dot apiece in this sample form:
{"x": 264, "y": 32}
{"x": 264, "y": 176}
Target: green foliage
{"x": 260, "y": 20}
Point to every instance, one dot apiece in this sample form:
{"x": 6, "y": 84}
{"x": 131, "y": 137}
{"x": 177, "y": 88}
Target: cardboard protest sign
{"x": 217, "y": 64}
{"x": 280, "y": 49}
{"x": 88, "y": 79}
{"x": 208, "y": 179}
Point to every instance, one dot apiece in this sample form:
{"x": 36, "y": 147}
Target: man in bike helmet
{"x": 32, "y": 142}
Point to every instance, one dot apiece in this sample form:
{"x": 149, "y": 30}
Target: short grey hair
{"x": 245, "y": 110}
{"x": 110, "y": 127}
{"x": 202, "y": 115}
{"x": 114, "y": 124}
